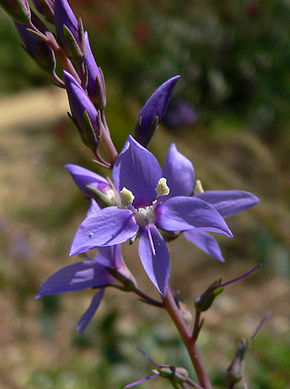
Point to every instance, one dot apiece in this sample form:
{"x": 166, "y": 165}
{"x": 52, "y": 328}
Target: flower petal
{"x": 186, "y": 213}
{"x": 107, "y": 227}
{"x": 137, "y": 170}
{"x": 155, "y": 106}
{"x": 83, "y": 177}
{"x": 179, "y": 172}
{"x": 78, "y": 276}
{"x": 110, "y": 256}
{"x": 87, "y": 316}
{"x": 205, "y": 242}
{"x": 156, "y": 266}
{"x": 228, "y": 202}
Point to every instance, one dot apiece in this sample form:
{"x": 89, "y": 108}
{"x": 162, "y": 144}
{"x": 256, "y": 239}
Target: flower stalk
{"x": 188, "y": 340}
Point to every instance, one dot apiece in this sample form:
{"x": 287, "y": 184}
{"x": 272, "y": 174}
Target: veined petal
{"x": 179, "y": 172}
{"x": 78, "y": 276}
{"x": 156, "y": 266}
{"x": 108, "y": 227}
{"x": 205, "y": 242}
{"x": 186, "y": 213}
{"x": 137, "y": 170}
{"x": 83, "y": 177}
{"x": 228, "y": 202}
{"x": 87, "y": 316}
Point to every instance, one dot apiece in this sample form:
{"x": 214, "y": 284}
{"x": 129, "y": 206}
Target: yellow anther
{"x": 198, "y": 187}
{"x": 162, "y": 188}
{"x": 127, "y": 197}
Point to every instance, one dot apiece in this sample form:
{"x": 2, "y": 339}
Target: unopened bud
{"x": 127, "y": 197}
{"x": 203, "y": 302}
{"x": 19, "y": 10}
{"x": 234, "y": 372}
{"x": 37, "y": 48}
{"x": 69, "y": 31}
{"x": 162, "y": 188}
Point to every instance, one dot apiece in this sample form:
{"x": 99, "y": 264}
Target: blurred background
{"x": 229, "y": 115}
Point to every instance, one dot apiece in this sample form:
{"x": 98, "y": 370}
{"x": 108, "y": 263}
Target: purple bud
{"x": 39, "y": 50}
{"x": 153, "y": 111}
{"x": 19, "y": 10}
{"x": 45, "y": 8}
{"x": 82, "y": 107}
{"x": 96, "y": 85}
{"x": 69, "y": 31}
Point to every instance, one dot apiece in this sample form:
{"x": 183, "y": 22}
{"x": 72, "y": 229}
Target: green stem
{"x": 190, "y": 344}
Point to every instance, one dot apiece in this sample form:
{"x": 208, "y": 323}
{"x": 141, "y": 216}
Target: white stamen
{"x": 127, "y": 197}
{"x": 162, "y": 188}
{"x": 198, "y": 187}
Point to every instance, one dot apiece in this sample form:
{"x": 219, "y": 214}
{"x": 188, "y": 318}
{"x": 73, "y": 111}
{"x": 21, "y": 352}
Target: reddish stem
{"x": 185, "y": 333}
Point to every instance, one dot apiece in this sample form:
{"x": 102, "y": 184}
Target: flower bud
{"x": 153, "y": 111}
{"x": 96, "y": 83}
{"x": 203, "y": 302}
{"x": 45, "y": 8}
{"x": 234, "y": 372}
{"x": 84, "y": 113}
{"x": 69, "y": 31}
{"x": 39, "y": 50}
{"x": 19, "y": 10}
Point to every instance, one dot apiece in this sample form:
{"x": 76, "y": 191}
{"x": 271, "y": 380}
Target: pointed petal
{"x": 186, "y": 213}
{"x": 87, "y": 316}
{"x": 137, "y": 170}
{"x": 94, "y": 208}
{"x": 205, "y": 242}
{"x": 107, "y": 227}
{"x": 228, "y": 202}
{"x": 156, "y": 266}
{"x": 155, "y": 106}
{"x": 179, "y": 172}
{"x": 78, "y": 276}
{"x": 83, "y": 177}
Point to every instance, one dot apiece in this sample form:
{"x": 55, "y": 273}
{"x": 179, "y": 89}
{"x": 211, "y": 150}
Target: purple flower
{"x": 69, "y": 31}
{"x": 19, "y": 10}
{"x": 83, "y": 111}
{"x": 145, "y": 205}
{"x": 96, "y": 85}
{"x": 179, "y": 173}
{"x": 39, "y": 50}
{"x": 91, "y": 274}
{"x": 153, "y": 111}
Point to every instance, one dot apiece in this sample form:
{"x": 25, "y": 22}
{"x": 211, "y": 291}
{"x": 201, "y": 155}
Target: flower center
{"x": 145, "y": 215}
